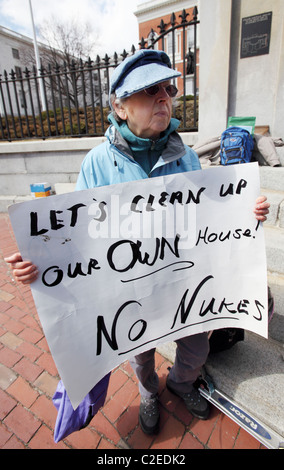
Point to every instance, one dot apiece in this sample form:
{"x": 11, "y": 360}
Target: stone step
{"x": 276, "y": 210}
{"x": 251, "y": 374}
{"x": 6, "y": 201}
{"x": 274, "y": 245}
{"x": 272, "y": 178}
{"x": 280, "y": 153}
{"x": 276, "y": 326}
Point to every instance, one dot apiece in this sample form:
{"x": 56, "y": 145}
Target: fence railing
{"x": 72, "y": 100}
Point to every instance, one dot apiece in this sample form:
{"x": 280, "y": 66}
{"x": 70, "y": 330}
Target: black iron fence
{"x": 72, "y": 100}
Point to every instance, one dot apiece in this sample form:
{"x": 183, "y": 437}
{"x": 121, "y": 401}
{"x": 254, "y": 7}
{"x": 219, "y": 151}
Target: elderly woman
{"x": 142, "y": 142}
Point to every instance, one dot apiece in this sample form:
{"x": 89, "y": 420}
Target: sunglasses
{"x": 171, "y": 90}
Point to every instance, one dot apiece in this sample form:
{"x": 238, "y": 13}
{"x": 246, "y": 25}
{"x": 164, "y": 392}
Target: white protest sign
{"x": 128, "y": 266}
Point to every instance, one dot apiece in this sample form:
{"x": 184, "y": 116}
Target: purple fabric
{"x": 69, "y": 420}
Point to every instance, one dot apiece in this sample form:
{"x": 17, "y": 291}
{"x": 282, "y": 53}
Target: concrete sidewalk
{"x": 28, "y": 379}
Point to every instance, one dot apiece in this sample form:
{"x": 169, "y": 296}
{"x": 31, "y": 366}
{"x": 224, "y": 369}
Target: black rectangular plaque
{"x": 256, "y": 35}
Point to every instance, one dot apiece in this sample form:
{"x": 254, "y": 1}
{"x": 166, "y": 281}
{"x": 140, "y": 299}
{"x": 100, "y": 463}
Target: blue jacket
{"x": 112, "y": 161}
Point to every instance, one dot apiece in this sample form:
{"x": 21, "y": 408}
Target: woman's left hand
{"x": 261, "y": 208}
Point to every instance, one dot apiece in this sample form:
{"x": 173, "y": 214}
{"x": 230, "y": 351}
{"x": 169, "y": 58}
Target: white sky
{"x": 113, "y": 20}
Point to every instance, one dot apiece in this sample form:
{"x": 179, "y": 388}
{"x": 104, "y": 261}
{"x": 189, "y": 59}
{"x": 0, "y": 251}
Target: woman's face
{"x": 147, "y": 116}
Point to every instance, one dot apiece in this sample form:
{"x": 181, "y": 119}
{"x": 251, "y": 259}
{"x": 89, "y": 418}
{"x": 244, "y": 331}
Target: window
{"x": 190, "y": 37}
{"x": 177, "y": 45}
{"x": 169, "y": 44}
{"x": 18, "y": 72}
{"x": 15, "y": 53}
{"x": 22, "y": 99}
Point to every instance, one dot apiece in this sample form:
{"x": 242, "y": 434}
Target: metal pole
{"x": 38, "y": 65}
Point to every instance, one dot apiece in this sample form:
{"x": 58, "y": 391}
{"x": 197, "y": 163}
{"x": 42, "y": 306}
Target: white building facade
{"x": 15, "y": 48}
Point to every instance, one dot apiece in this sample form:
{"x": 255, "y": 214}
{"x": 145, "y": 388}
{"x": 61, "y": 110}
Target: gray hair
{"x": 118, "y": 102}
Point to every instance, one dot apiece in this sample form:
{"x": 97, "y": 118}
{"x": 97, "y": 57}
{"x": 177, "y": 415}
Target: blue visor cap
{"x": 142, "y": 70}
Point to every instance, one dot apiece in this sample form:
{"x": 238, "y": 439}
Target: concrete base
{"x": 252, "y": 374}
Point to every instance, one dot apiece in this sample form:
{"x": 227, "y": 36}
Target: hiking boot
{"x": 149, "y": 415}
{"x": 194, "y": 402}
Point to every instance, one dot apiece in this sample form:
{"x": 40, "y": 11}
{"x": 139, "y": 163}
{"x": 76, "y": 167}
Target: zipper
{"x": 153, "y": 143}
{"x": 115, "y": 149}
{"x": 124, "y": 155}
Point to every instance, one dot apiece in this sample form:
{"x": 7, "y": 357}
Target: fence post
{"x": 76, "y": 85}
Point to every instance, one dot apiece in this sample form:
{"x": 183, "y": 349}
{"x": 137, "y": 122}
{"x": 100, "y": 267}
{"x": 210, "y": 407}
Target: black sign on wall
{"x": 256, "y": 35}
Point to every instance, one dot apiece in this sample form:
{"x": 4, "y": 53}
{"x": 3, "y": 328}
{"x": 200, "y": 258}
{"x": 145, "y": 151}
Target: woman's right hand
{"x": 23, "y": 271}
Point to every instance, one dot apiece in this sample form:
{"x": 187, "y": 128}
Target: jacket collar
{"x": 173, "y": 150}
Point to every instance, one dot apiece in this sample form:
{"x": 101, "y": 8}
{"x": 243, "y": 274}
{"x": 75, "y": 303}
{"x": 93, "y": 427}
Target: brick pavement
{"x": 28, "y": 379}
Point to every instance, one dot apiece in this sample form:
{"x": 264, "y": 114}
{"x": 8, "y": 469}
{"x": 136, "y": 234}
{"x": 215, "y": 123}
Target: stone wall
{"x": 54, "y": 161}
